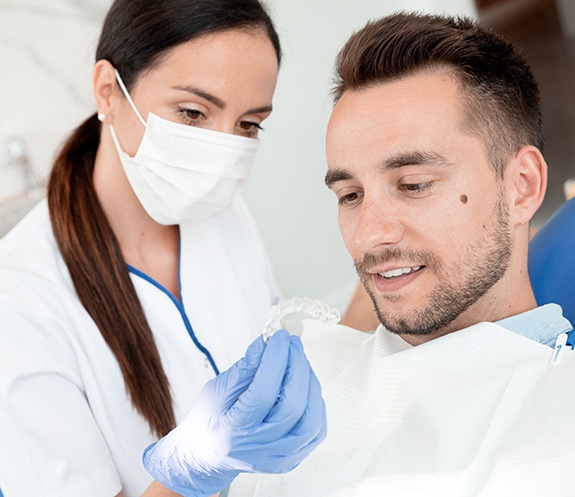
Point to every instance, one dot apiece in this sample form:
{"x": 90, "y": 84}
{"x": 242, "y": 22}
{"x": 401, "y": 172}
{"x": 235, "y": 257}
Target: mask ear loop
{"x": 127, "y": 95}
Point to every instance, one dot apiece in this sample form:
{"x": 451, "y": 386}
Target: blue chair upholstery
{"x": 552, "y": 260}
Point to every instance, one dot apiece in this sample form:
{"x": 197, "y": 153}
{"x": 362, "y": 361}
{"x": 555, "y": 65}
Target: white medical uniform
{"x": 67, "y": 427}
{"x": 479, "y": 412}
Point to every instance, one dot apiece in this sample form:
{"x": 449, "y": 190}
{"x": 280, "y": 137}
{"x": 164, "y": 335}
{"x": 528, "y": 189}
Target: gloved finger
{"x": 230, "y": 384}
{"x": 294, "y": 393}
{"x": 311, "y": 422}
{"x": 292, "y": 399}
{"x": 283, "y": 454}
{"x": 283, "y": 463}
{"x": 315, "y": 413}
{"x": 149, "y": 457}
{"x": 254, "y": 404}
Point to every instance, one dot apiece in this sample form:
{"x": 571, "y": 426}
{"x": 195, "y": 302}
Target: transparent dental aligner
{"x": 313, "y": 308}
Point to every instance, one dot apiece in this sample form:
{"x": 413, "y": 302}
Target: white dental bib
{"x": 479, "y": 412}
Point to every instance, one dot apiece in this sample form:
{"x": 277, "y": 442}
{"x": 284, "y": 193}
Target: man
{"x": 426, "y": 150}
{"x": 433, "y": 152}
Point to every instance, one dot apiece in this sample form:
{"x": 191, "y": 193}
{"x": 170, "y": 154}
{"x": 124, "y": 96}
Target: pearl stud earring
{"x": 101, "y": 117}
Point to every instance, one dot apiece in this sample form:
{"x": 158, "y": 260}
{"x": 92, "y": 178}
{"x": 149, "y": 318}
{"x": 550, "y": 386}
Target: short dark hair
{"x": 501, "y": 98}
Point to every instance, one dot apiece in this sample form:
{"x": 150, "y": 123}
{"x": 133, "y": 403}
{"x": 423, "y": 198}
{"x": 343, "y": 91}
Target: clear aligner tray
{"x": 313, "y": 308}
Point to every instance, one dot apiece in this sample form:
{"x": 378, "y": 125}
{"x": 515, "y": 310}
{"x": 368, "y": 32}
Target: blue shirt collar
{"x": 542, "y": 324}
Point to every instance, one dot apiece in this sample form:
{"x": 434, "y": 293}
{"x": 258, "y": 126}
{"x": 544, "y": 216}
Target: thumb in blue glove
{"x": 264, "y": 414}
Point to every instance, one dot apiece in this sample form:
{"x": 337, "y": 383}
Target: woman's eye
{"x": 350, "y": 198}
{"x": 192, "y": 116}
{"x": 250, "y": 128}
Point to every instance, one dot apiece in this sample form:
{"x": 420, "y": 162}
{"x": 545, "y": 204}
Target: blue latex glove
{"x": 264, "y": 414}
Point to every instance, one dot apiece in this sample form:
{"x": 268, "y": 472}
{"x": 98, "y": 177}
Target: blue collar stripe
{"x": 183, "y": 314}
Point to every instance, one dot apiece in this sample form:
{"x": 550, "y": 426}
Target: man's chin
{"x": 415, "y": 324}
{"x": 408, "y": 330}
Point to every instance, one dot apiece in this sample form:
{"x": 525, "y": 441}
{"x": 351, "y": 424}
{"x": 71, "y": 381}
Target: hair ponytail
{"x": 135, "y": 35}
{"x": 101, "y": 278}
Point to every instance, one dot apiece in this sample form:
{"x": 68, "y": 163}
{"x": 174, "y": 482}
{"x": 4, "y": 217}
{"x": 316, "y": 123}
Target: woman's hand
{"x": 264, "y": 414}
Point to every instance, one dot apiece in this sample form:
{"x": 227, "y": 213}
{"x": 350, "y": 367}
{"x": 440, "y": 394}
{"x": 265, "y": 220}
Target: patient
{"x": 433, "y": 153}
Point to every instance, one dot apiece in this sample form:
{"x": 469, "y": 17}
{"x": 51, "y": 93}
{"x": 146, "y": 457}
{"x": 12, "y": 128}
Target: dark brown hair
{"x": 500, "y": 95}
{"x": 135, "y": 35}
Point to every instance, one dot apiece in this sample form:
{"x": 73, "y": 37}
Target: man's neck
{"x": 500, "y": 302}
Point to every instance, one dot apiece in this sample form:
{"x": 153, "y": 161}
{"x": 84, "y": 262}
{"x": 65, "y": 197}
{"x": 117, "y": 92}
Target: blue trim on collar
{"x": 542, "y": 324}
{"x": 179, "y": 305}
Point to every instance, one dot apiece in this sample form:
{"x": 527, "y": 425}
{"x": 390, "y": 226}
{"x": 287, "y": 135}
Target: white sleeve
{"x": 50, "y": 444}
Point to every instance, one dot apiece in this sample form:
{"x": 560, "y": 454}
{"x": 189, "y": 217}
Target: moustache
{"x": 373, "y": 259}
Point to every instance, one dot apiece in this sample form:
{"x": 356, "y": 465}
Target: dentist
{"x": 142, "y": 276}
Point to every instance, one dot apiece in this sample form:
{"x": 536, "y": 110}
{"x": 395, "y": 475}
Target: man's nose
{"x": 379, "y": 224}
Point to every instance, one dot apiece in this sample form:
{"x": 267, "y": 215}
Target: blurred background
{"x": 47, "y": 47}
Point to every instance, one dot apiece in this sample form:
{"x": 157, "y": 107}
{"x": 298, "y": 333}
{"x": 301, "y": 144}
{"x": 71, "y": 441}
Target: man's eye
{"x": 415, "y": 187}
{"x": 350, "y": 198}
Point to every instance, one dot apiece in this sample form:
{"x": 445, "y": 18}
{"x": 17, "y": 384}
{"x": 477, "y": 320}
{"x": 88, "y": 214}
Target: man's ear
{"x": 104, "y": 87}
{"x": 527, "y": 180}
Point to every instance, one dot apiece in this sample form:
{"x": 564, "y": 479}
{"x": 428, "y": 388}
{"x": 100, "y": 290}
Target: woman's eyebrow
{"x": 218, "y": 102}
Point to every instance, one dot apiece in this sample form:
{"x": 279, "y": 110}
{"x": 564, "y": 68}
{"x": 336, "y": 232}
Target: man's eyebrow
{"x": 404, "y": 159}
{"x": 415, "y": 158}
{"x": 335, "y": 175}
{"x": 218, "y": 102}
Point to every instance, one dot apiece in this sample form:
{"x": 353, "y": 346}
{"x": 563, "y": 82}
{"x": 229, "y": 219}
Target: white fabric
{"x": 184, "y": 173}
{"x": 479, "y": 412}
{"x": 66, "y": 425}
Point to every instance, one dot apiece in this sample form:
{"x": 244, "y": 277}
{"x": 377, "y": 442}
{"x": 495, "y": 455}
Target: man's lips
{"x": 392, "y": 279}
{"x": 399, "y": 271}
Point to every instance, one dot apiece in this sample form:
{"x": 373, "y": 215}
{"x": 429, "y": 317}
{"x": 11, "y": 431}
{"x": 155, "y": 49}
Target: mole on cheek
{"x": 463, "y": 198}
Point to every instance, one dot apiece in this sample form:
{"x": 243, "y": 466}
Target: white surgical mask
{"x": 183, "y": 173}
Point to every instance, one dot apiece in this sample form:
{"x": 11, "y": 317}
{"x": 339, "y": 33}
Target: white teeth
{"x": 399, "y": 271}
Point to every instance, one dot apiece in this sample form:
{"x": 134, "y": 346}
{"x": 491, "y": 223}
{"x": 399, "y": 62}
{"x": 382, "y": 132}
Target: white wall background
{"x": 46, "y": 49}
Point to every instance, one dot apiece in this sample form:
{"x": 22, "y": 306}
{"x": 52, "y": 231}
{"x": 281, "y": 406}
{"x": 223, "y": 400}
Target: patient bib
{"x": 479, "y": 412}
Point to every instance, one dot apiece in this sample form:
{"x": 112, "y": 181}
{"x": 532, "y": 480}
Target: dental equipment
{"x": 313, "y": 308}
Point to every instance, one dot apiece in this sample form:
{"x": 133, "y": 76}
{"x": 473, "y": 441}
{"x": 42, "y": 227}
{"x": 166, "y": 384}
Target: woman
{"x": 143, "y": 275}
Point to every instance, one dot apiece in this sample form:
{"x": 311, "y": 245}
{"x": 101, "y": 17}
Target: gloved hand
{"x": 264, "y": 414}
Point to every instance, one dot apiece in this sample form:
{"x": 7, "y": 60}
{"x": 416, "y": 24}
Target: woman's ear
{"x": 104, "y": 87}
{"x": 528, "y": 181}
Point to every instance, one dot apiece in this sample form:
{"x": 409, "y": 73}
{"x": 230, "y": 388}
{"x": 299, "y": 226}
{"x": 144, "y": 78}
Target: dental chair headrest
{"x": 552, "y": 260}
